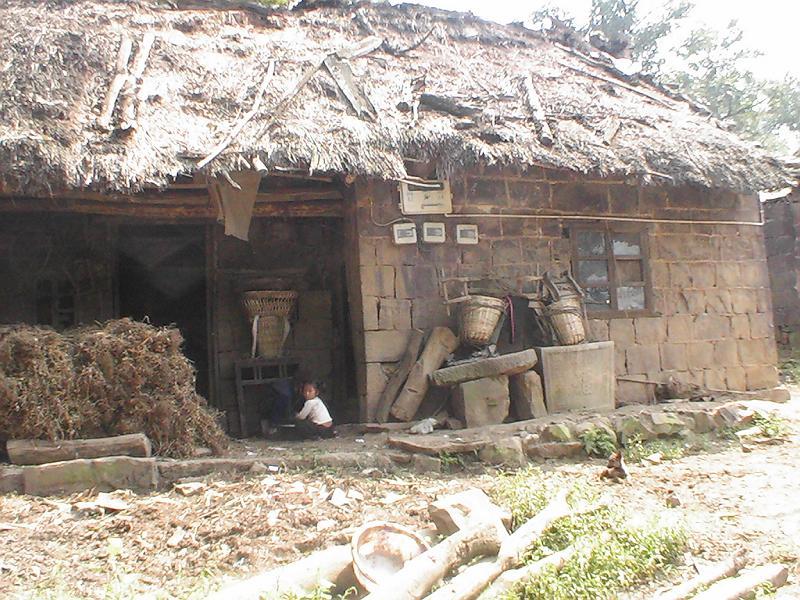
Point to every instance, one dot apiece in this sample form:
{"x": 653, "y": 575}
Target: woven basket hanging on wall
{"x": 479, "y": 317}
{"x": 269, "y": 311}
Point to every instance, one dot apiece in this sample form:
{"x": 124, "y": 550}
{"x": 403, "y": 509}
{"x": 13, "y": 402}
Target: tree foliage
{"x": 710, "y": 66}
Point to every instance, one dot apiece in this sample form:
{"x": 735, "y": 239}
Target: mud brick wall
{"x": 711, "y": 322}
{"x": 303, "y": 255}
{"x": 781, "y": 224}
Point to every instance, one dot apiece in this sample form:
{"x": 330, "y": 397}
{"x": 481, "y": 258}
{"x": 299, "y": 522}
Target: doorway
{"x": 162, "y": 279}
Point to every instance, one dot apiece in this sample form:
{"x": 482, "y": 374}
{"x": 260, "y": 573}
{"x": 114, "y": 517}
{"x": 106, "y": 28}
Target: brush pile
{"x": 113, "y": 378}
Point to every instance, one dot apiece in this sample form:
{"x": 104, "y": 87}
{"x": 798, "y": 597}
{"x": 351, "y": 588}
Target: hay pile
{"x": 118, "y": 377}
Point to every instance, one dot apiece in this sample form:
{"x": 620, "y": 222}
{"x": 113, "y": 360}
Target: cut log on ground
{"x": 416, "y": 579}
{"x": 331, "y": 568}
{"x": 11, "y": 480}
{"x": 745, "y": 584}
{"x": 39, "y": 452}
{"x": 507, "y": 364}
{"x": 436, "y": 446}
{"x": 455, "y": 512}
{"x": 440, "y": 344}
{"x": 399, "y": 377}
{"x": 102, "y": 474}
{"x": 709, "y": 575}
{"x": 508, "y": 580}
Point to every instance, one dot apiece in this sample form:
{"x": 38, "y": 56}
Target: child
{"x": 313, "y": 420}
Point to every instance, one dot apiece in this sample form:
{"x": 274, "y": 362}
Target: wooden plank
{"x": 102, "y": 474}
{"x": 39, "y": 452}
{"x": 120, "y": 77}
{"x": 400, "y": 375}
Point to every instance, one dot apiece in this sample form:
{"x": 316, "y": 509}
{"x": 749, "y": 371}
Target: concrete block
{"x": 631, "y": 392}
{"x": 690, "y": 302}
{"x": 394, "y": 313}
{"x": 506, "y": 452}
{"x": 370, "y": 313}
{"x": 761, "y": 377}
{"x": 711, "y": 327}
{"x": 621, "y": 332}
{"x": 527, "y": 395}
{"x": 102, "y": 474}
{"x": 598, "y": 330}
{"x": 650, "y": 330}
{"x": 735, "y": 379}
{"x": 674, "y": 357}
{"x": 482, "y": 401}
{"x": 756, "y": 352}
{"x": 714, "y": 379}
{"x": 385, "y": 346}
{"x": 740, "y": 327}
{"x": 700, "y": 355}
{"x": 702, "y": 275}
{"x": 719, "y": 302}
{"x": 506, "y": 364}
{"x": 728, "y": 274}
{"x": 745, "y": 301}
{"x": 11, "y": 480}
{"x": 378, "y": 281}
{"x": 760, "y": 325}
{"x": 416, "y": 282}
{"x": 578, "y": 377}
{"x": 641, "y": 359}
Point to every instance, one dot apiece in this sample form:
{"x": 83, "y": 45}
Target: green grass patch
{"x": 771, "y": 425}
{"x": 789, "y": 368}
{"x": 637, "y": 449}
{"x": 615, "y": 550}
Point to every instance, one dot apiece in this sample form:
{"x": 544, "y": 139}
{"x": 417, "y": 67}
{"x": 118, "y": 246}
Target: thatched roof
{"x": 208, "y": 62}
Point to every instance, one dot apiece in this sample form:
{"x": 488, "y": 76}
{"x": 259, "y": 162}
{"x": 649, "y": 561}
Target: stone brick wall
{"x": 781, "y": 224}
{"x": 711, "y": 322}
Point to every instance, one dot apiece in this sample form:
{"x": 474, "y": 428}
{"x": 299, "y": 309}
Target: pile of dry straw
{"x": 118, "y": 377}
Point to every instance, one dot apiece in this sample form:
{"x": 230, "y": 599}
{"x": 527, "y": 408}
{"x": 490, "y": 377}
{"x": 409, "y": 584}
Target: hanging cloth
{"x": 236, "y": 205}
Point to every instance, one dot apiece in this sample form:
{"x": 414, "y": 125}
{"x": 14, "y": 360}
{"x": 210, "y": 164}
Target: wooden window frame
{"x": 611, "y": 260}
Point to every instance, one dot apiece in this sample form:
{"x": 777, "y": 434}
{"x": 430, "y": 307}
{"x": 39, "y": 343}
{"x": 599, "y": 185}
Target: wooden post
{"x": 39, "y": 452}
{"x": 441, "y": 343}
{"x": 399, "y": 377}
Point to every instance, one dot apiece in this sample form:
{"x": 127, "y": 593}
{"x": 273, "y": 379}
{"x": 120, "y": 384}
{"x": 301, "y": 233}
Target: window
{"x": 611, "y": 266}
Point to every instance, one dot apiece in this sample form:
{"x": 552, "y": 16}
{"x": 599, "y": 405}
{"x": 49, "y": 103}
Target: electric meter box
{"x": 433, "y": 233}
{"x": 466, "y": 234}
{"x": 425, "y": 197}
{"x": 404, "y": 233}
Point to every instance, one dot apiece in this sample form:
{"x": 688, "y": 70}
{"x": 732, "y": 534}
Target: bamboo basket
{"x": 566, "y": 317}
{"x": 269, "y": 302}
{"x": 479, "y": 317}
{"x": 271, "y": 335}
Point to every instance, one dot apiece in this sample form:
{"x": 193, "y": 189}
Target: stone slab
{"x": 482, "y": 402}
{"x": 554, "y": 449}
{"x": 507, "y": 364}
{"x": 579, "y": 377}
{"x": 506, "y": 452}
{"x": 527, "y": 395}
{"x": 102, "y": 474}
{"x": 11, "y": 480}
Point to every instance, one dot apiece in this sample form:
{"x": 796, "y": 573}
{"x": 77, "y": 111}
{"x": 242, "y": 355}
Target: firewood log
{"x": 712, "y": 574}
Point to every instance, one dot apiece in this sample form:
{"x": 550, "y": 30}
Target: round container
{"x": 479, "y": 317}
{"x": 269, "y": 302}
{"x": 567, "y": 320}
{"x": 381, "y": 549}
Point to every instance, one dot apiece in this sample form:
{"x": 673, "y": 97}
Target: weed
{"x": 789, "y": 368}
{"x": 599, "y": 442}
{"x": 637, "y": 449}
{"x": 771, "y": 425}
{"x": 765, "y": 590}
{"x": 451, "y": 461}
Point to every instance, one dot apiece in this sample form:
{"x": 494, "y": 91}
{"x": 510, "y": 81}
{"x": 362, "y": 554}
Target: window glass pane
{"x": 630, "y": 298}
{"x": 597, "y": 298}
{"x": 626, "y": 244}
{"x": 591, "y": 243}
{"x": 592, "y": 271}
{"x": 629, "y": 271}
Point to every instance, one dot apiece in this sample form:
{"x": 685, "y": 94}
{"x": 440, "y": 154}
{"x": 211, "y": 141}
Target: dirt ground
{"x": 171, "y": 545}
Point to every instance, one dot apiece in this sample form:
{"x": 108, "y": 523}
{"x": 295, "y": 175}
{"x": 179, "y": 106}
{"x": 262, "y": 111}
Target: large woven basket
{"x": 566, "y": 317}
{"x": 479, "y": 317}
{"x": 271, "y": 335}
{"x": 269, "y": 302}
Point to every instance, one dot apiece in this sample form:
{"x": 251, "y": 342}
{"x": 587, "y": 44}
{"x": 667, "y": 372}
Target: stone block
{"x": 760, "y": 325}
{"x": 482, "y": 401}
{"x": 527, "y": 395}
{"x": 376, "y": 380}
{"x": 690, "y": 302}
{"x": 630, "y": 427}
{"x": 735, "y": 379}
{"x": 703, "y": 420}
{"x": 745, "y": 301}
{"x": 728, "y": 274}
{"x": 554, "y": 449}
{"x": 726, "y": 353}
{"x": 624, "y": 199}
{"x": 390, "y": 254}
{"x": 11, "y": 480}
{"x": 506, "y": 252}
{"x": 598, "y": 330}
{"x": 631, "y": 392}
{"x": 679, "y": 328}
{"x": 581, "y": 429}
{"x": 428, "y": 313}
{"x": 557, "y": 432}
{"x": 663, "y": 424}
{"x": 754, "y": 274}
{"x": 102, "y": 474}
{"x": 700, "y": 355}
{"x": 621, "y": 332}
{"x": 370, "y": 307}
{"x": 761, "y": 377}
{"x": 659, "y": 274}
{"x": 777, "y": 394}
{"x": 377, "y": 281}
{"x": 385, "y": 346}
{"x": 620, "y": 365}
{"x": 641, "y": 359}
{"x": 366, "y": 252}
{"x": 740, "y": 327}
{"x": 650, "y": 330}
{"x": 506, "y": 452}
{"x": 422, "y": 463}
{"x": 674, "y": 357}
{"x": 525, "y": 194}
{"x": 733, "y": 415}
{"x": 714, "y": 379}
{"x": 580, "y": 198}
{"x": 506, "y": 364}
{"x": 756, "y": 352}
{"x": 452, "y": 513}
{"x": 719, "y": 302}
{"x": 711, "y": 327}
{"x": 416, "y": 282}
{"x": 394, "y": 313}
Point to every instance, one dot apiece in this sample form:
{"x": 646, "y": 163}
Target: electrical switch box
{"x": 433, "y": 233}
{"x": 404, "y": 233}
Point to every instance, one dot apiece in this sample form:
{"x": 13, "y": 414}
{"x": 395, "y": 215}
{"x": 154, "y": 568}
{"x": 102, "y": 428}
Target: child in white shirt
{"x": 313, "y": 420}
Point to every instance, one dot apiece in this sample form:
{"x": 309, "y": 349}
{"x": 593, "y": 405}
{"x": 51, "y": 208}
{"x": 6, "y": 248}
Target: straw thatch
{"x": 115, "y": 378}
{"x": 209, "y": 59}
